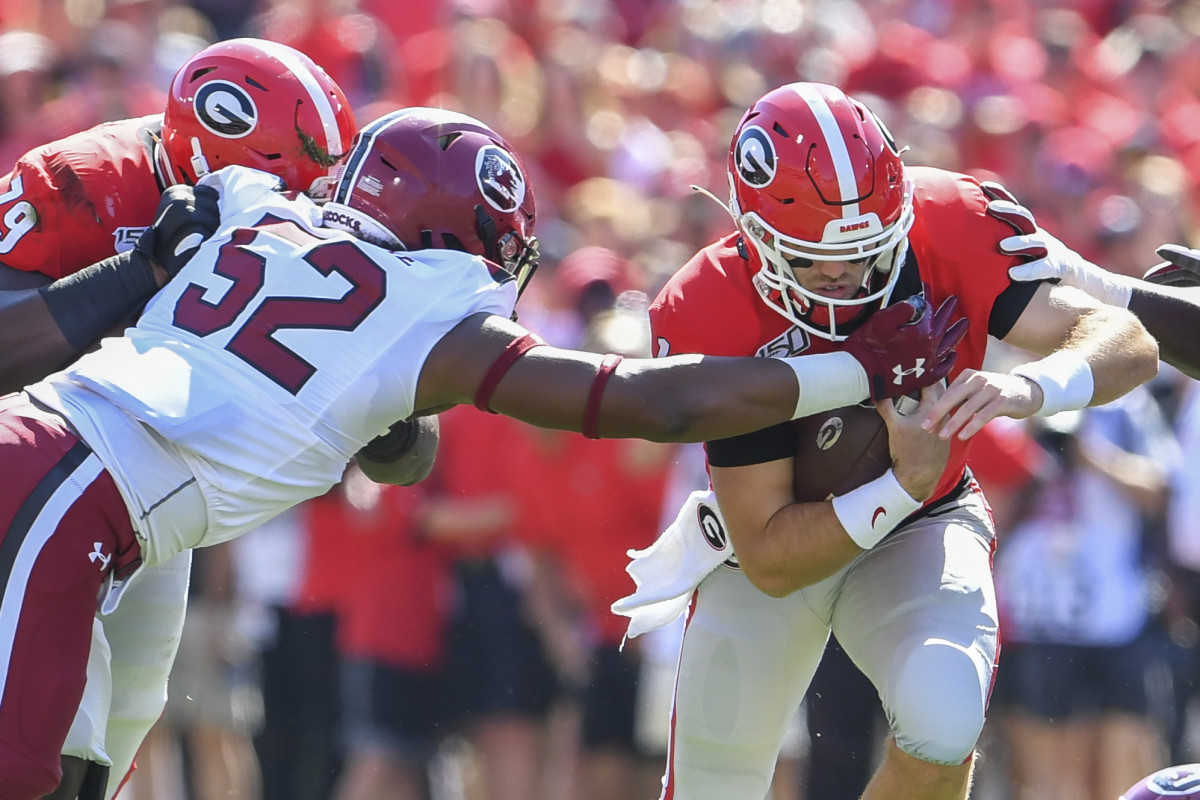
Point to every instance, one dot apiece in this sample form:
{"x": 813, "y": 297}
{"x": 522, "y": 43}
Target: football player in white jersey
{"x": 301, "y": 335}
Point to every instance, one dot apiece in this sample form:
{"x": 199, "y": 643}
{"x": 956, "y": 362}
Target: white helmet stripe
{"x": 320, "y": 100}
{"x": 363, "y": 145}
{"x": 836, "y": 144}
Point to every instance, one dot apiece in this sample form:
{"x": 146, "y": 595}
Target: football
{"x": 840, "y": 450}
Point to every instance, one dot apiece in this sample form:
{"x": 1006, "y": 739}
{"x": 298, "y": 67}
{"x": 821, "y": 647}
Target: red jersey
{"x": 81, "y": 199}
{"x": 711, "y": 305}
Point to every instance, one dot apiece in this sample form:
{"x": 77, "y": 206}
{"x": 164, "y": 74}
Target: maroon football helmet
{"x": 423, "y": 178}
{"x": 1181, "y": 782}
{"x": 255, "y": 103}
{"x": 815, "y": 176}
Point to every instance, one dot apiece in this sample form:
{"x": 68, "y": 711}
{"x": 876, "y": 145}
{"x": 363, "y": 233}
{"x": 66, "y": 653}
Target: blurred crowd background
{"x": 453, "y": 640}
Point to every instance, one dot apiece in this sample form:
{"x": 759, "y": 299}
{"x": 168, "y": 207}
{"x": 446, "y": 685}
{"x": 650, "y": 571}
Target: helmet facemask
{"x": 827, "y": 317}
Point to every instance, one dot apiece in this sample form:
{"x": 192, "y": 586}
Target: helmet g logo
{"x": 755, "y": 158}
{"x": 499, "y": 178}
{"x": 225, "y": 109}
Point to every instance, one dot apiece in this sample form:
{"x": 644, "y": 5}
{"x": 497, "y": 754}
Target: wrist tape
{"x": 871, "y": 511}
{"x": 1065, "y": 379}
{"x": 87, "y": 304}
{"x": 827, "y": 380}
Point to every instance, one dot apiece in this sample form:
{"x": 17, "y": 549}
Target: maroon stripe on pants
{"x": 48, "y": 652}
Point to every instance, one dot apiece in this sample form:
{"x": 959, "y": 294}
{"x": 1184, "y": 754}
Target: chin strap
{"x": 199, "y": 162}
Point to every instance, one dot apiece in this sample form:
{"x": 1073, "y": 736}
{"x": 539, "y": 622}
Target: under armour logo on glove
{"x": 907, "y": 334}
{"x": 902, "y": 373}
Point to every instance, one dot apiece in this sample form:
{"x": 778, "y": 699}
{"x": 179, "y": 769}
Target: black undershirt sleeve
{"x": 1009, "y": 306}
{"x": 768, "y": 444}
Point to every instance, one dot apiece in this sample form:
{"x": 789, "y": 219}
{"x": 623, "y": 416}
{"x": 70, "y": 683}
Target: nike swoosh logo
{"x": 879, "y": 512}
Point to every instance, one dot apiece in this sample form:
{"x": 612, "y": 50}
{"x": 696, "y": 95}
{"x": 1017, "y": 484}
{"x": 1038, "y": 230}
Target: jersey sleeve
{"x": 696, "y": 312}
{"x": 77, "y": 200}
{"x": 959, "y": 252}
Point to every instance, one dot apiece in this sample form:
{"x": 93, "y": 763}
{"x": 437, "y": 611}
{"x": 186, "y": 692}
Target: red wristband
{"x": 591, "y": 413}
{"x": 508, "y": 356}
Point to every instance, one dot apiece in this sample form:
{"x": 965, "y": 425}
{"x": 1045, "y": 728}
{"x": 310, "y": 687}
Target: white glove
{"x": 1046, "y": 258}
{"x": 1063, "y": 264}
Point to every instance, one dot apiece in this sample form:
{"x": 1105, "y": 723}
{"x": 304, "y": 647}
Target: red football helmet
{"x": 815, "y": 176}
{"x": 255, "y": 103}
{"x": 423, "y": 178}
{"x": 1181, "y": 782}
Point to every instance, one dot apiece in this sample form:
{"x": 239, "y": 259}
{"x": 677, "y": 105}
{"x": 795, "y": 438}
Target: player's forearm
{"x": 43, "y": 328}
{"x": 1121, "y": 353}
{"x": 677, "y": 399}
{"x": 802, "y": 544}
{"x": 31, "y": 344}
{"x": 1172, "y": 316}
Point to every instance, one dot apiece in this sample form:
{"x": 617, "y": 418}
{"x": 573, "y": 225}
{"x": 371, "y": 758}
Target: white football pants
{"x": 917, "y": 613}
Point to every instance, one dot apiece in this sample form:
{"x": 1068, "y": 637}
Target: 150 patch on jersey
{"x": 124, "y": 238}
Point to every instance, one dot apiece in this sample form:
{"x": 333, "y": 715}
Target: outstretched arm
{"x": 1094, "y": 353}
{"x": 683, "y": 398}
{"x": 1170, "y": 311}
{"x": 31, "y": 343}
{"x": 1172, "y": 316}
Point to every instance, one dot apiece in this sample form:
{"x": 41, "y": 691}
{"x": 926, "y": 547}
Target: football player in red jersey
{"x": 287, "y": 344}
{"x": 86, "y": 199}
{"x": 831, "y": 228}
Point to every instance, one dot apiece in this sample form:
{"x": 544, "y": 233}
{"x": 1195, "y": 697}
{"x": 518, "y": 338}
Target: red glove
{"x": 905, "y": 347}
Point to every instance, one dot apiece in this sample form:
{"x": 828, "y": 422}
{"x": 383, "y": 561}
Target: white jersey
{"x": 252, "y": 378}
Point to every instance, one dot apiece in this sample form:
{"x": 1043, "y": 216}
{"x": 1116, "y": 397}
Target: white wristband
{"x": 828, "y": 381}
{"x": 1115, "y": 290}
{"x": 1065, "y": 379}
{"x": 871, "y": 511}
